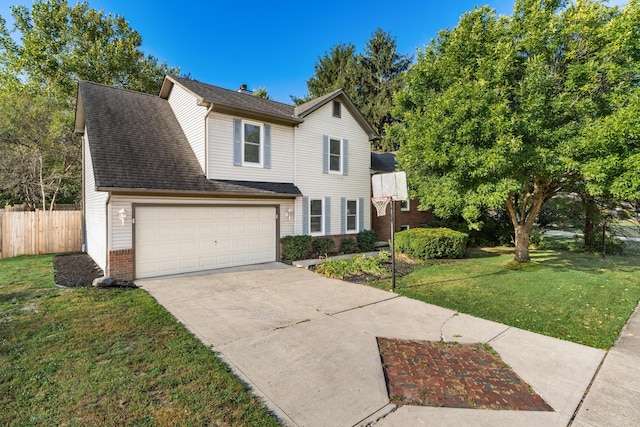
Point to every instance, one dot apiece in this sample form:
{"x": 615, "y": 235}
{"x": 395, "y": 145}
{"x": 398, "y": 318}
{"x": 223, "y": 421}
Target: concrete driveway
{"x": 307, "y": 346}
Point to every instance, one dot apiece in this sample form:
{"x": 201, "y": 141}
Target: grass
{"x": 108, "y": 357}
{"x": 578, "y": 297}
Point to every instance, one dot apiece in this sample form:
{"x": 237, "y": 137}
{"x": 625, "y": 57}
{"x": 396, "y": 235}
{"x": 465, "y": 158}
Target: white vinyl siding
{"x": 120, "y": 234}
{"x": 191, "y": 118}
{"x": 95, "y": 211}
{"x": 221, "y": 158}
{"x": 315, "y": 183}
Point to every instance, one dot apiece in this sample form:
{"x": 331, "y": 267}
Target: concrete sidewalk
{"x": 614, "y": 396}
{"x": 307, "y": 345}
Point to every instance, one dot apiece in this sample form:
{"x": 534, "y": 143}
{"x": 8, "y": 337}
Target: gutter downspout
{"x": 206, "y": 141}
{"x": 108, "y": 226}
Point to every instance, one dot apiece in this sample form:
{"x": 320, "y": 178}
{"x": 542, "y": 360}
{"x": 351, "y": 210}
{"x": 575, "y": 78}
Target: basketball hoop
{"x": 380, "y": 204}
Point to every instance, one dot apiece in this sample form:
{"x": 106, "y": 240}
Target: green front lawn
{"x": 574, "y": 296}
{"x": 81, "y": 357}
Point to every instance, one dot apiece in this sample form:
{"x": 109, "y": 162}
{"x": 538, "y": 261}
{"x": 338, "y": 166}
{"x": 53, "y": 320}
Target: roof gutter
{"x": 183, "y": 193}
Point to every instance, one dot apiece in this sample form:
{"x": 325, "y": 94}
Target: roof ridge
{"x": 231, "y": 91}
{"x": 136, "y": 92}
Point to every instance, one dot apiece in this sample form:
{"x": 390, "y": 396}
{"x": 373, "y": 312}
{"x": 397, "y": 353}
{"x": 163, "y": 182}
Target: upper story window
{"x": 252, "y": 143}
{"x": 335, "y": 155}
{"x": 404, "y": 205}
{"x": 352, "y": 215}
{"x": 337, "y": 109}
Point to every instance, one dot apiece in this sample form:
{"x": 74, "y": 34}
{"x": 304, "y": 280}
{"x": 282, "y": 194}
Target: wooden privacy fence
{"x": 40, "y": 232}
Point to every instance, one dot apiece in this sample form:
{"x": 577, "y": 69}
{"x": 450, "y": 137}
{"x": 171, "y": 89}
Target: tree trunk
{"x": 590, "y": 210}
{"x": 522, "y": 242}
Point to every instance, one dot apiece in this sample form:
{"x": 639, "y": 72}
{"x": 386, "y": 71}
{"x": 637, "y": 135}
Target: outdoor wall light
{"x": 122, "y": 214}
{"x": 289, "y": 213}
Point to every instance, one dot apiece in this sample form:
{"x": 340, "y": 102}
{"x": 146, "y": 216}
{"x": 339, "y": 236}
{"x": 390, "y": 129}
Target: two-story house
{"x": 201, "y": 177}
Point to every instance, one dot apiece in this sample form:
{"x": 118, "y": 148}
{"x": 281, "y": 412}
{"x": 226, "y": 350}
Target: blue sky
{"x": 274, "y": 44}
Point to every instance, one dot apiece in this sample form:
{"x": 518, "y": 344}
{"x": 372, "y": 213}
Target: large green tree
{"x": 49, "y": 48}
{"x": 369, "y": 78}
{"x": 497, "y": 111}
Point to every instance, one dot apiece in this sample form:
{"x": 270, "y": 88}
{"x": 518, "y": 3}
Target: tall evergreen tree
{"x": 369, "y": 78}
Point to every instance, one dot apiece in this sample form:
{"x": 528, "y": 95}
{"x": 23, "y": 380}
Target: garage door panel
{"x": 179, "y": 239}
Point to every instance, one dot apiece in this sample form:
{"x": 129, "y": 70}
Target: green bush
{"x": 427, "y": 243}
{"x": 337, "y": 269}
{"x": 348, "y": 245}
{"x": 367, "y": 240}
{"x": 323, "y": 245}
{"x": 295, "y": 247}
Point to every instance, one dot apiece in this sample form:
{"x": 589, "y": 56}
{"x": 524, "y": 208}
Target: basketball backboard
{"x": 392, "y": 185}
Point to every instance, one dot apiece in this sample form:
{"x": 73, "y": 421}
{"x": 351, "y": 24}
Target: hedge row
{"x": 302, "y": 247}
{"x": 428, "y": 243}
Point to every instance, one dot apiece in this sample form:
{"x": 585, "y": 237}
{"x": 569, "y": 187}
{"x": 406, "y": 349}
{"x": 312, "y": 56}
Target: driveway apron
{"x": 307, "y": 346}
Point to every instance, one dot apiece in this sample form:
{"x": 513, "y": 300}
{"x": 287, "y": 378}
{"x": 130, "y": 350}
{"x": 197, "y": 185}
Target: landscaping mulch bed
{"x": 79, "y": 270}
{"x": 453, "y": 375}
{"x": 403, "y": 266}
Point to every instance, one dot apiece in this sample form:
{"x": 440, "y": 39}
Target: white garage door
{"x": 174, "y": 239}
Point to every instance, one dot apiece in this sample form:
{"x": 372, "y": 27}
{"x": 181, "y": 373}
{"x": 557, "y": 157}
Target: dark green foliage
{"x": 496, "y": 229}
{"x": 428, "y": 243}
{"x": 612, "y": 245}
{"x": 506, "y": 112}
{"x": 369, "y": 79}
{"x": 323, "y": 245}
{"x": 367, "y": 240}
{"x": 295, "y": 247}
{"x": 348, "y": 245}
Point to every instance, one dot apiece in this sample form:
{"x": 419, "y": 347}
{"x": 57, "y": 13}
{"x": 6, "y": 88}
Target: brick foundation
{"x": 120, "y": 264}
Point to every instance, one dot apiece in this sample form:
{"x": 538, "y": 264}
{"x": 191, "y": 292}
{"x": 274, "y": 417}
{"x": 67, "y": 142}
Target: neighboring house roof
{"x": 233, "y": 102}
{"x": 137, "y": 144}
{"x": 383, "y": 162}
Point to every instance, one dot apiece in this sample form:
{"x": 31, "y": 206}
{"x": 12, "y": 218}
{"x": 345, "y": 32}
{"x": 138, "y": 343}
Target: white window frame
{"x": 261, "y": 147}
{"x": 357, "y": 216}
{"x": 321, "y": 232}
{"x": 404, "y": 208}
{"x": 404, "y": 227}
{"x": 341, "y": 157}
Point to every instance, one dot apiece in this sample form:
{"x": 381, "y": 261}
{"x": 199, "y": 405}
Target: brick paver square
{"x": 454, "y": 375}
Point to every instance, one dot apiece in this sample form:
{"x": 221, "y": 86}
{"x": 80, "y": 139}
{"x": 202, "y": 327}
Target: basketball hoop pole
{"x": 393, "y": 246}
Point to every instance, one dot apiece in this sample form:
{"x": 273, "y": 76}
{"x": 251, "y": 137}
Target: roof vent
{"x": 243, "y": 89}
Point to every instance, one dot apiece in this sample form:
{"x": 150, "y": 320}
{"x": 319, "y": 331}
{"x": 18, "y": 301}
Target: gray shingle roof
{"x": 137, "y": 144}
{"x": 236, "y": 100}
{"x": 383, "y": 162}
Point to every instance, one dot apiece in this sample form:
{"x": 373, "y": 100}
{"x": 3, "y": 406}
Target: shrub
{"x": 295, "y": 247}
{"x": 613, "y": 246}
{"x": 427, "y": 243}
{"x": 338, "y": 269}
{"x": 348, "y": 245}
{"x": 323, "y": 245}
{"x": 367, "y": 240}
